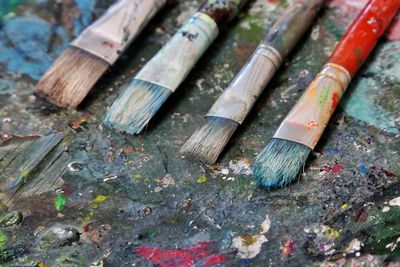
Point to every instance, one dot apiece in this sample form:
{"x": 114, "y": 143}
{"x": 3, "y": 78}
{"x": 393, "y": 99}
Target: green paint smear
{"x": 3, "y": 241}
{"x": 60, "y": 202}
{"x": 323, "y": 98}
{"x": 256, "y": 31}
{"x": 385, "y": 231}
{"x": 363, "y": 97}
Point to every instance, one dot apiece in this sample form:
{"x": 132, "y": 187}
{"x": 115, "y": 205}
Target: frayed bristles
{"x": 132, "y": 110}
{"x": 71, "y": 77}
{"x": 279, "y": 163}
{"x": 208, "y": 141}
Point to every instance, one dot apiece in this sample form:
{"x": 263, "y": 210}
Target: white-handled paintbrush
{"x": 232, "y": 107}
{"x": 74, "y": 73}
{"x": 162, "y": 75}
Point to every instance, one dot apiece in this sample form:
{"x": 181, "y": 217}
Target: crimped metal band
{"x": 109, "y": 36}
{"x": 170, "y": 66}
{"x": 238, "y": 99}
{"x": 306, "y": 122}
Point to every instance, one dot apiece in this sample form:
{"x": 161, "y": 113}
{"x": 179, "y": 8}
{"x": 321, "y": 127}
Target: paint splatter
{"x": 288, "y": 248}
{"x": 23, "y": 45}
{"x": 337, "y": 168}
{"x": 185, "y": 257}
{"x": 201, "y": 179}
{"x": 321, "y": 240}
{"x": 3, "y": 240}
{"x": 395, "y": 202}
{"x": 241, "y": 165}
{"x": 60, "y": 202}
{"x": 364, "y": 96}
{"x": 249, "y": 246}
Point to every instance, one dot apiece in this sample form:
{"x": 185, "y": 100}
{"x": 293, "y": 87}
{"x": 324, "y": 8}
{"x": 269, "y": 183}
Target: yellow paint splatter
{"x": 201, "y": 179}
{"x": 344, "y": 206}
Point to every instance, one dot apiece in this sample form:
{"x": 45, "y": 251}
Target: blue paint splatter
{"x": 331, "y": 151}
{"x": 363, "y": 169}
{"x": 24, "y": 42}
{"x": 86, "y": 7}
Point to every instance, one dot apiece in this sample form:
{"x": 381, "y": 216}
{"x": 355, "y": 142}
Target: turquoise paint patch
{"x": 86, "y": 7}
{"x": 24, "y": 43}
{"x": 361, "y": 100}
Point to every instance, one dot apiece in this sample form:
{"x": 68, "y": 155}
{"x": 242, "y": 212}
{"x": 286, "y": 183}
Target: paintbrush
{"x": 232, "y": 107}
{"x": 162, "y": 75}
{"x": 74, "y": 73}
{"x": 286, "y": 153}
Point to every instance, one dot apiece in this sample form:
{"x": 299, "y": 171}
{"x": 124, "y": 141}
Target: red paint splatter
{"x": 334, "y": 169}
{"x": 288, "y": 248}
{"x": 185, "y": 257}
{"x": 378, "y": 171}
{"x": 393, "y": 32}
{"x": 86, "y": 228}
{"x": 335, "y": 100}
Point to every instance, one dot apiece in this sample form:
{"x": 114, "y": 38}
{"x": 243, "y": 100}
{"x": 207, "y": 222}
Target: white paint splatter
{"x": 395, "y": 202}
{"x": 249, "y": 246}
{"x": 241, "y": 165}
{"x": 385, "y": 209}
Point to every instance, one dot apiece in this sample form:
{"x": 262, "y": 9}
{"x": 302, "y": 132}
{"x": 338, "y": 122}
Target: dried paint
{"x": 241, "y": 166}
{"x": 3, "y": 240}
{"x": 321, "y": 240}
{"x": 249, "y": 246}
{"x": 366, "y": 95}
{"x": 395, "y": 202}
{"x": 201, "y": 179}
{"x": 288, "y": 248}
{"x": 60, "y": 202}
{"x": 186, "y": 257}
{"x": 337, "y": 168}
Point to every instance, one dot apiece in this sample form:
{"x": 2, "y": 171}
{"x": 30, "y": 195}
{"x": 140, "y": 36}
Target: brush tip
{"x": 67, "y": 82}
{"x": 133, "y": 109}
{"x": 208, "y": 141}
{"x": 280, "y": 163}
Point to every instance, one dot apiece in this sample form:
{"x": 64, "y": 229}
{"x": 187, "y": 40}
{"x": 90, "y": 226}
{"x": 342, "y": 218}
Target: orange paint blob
{"x": 335, "y": 100}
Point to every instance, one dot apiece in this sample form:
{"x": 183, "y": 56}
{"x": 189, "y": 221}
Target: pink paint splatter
{"x": 288, "y": 248}
{"x": 393, "y": 32}
{"x": 185, "y": 257}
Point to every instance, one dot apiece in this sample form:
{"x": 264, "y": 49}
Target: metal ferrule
{"x": 110, "y": 35}
{"x": 237, "y": 100}
{"x": 170, "y": 66}
{"x": 306, "y": 122}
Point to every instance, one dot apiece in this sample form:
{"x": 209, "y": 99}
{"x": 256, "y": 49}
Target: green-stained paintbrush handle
{"x": 222, "y": 11}
{"x": 238, "y": 99}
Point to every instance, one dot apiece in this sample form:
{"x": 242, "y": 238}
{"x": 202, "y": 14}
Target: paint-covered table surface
{"x": 76, "y": 194}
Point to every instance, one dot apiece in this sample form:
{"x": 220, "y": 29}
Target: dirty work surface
{"x": 75, "y": 194}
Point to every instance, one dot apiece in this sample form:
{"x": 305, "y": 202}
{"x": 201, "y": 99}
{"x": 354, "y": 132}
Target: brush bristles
{"x": 132, "y": 110}
{"x": 208, "y": 141}
{"x": 280, "y": 163}
{"x": 71, "y": 77}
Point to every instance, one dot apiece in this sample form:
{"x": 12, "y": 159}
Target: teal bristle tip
{"x": 134, "y": 108}
{"x": 280, "y": 163}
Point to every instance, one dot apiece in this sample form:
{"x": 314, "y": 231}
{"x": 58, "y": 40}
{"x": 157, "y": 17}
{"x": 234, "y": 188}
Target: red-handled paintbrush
{"x": 285, "y": 155}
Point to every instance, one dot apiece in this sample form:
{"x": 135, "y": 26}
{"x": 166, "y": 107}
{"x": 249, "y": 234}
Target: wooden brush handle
{"x": 237, "y": 100}
{"x": 291, "y": 25}
{"x": 222, "y": 11}
{"x": 306, "y": 122}
{"x": 363, "y": 34}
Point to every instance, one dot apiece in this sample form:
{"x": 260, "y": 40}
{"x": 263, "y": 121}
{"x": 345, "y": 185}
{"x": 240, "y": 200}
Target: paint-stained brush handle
{"x": 112, "y": 33}
{"x": 238, "y": 99}
{"x": 306, "y": 122}
{"x": 170, "y": 66}
{"x": 363, "y": 34}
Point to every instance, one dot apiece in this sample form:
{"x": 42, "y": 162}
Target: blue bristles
{"x": 134, "y": 108}
{"x": 280, "y": 163}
